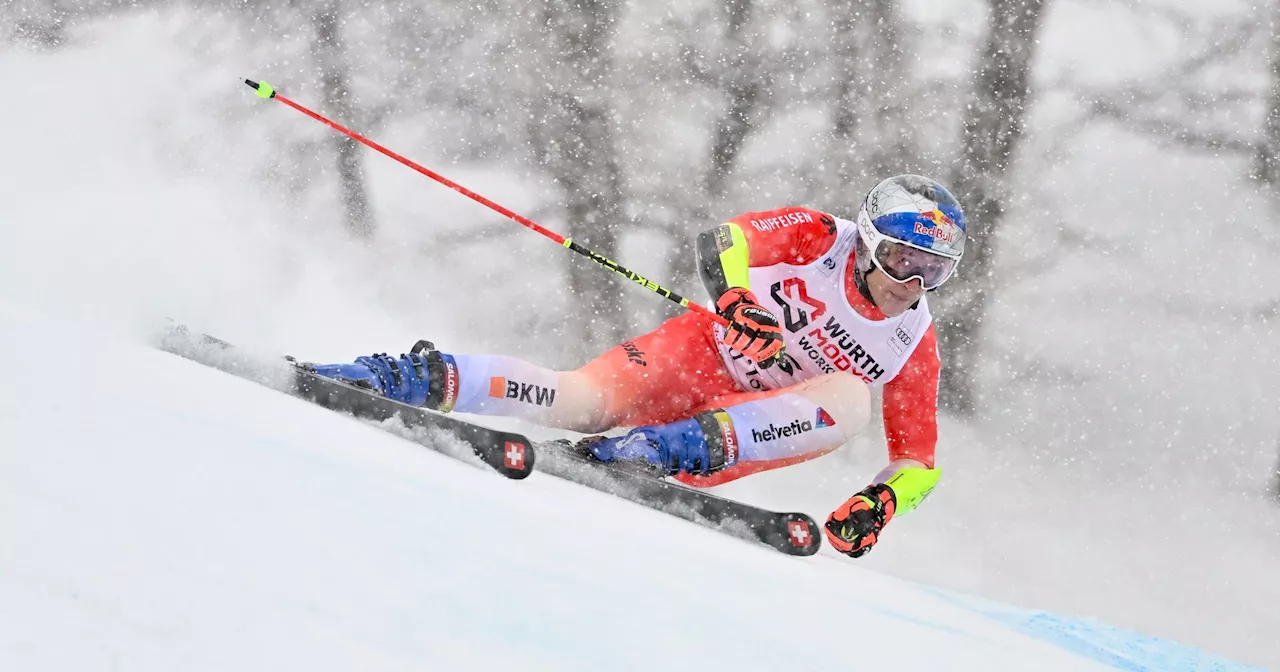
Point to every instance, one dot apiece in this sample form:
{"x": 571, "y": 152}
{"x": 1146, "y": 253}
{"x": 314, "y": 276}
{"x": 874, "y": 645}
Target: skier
{"x": 820, "y": 309}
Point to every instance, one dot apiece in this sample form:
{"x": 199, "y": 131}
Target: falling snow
{"x": 1109, "y": 438}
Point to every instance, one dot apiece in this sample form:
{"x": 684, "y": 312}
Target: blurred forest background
{"x": 1110, "y": 356}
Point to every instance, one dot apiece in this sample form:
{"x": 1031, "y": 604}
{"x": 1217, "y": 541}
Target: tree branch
{"x": 1169, "y": 130}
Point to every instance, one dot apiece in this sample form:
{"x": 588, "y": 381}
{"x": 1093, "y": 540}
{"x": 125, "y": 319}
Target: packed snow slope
{"x": 159, "y": 515}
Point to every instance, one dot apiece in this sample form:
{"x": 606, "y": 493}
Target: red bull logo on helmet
{"x": 942, "y": 229}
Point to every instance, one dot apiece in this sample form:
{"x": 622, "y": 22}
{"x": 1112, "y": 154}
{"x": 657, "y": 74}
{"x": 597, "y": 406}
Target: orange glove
{"x": 855, "y": 527}
{"x": 753, "y": 330}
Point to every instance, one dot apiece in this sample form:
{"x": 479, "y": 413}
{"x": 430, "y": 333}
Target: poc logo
{"x": 525, "y": 392}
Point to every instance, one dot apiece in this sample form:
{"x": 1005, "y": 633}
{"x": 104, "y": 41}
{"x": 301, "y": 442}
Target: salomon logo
{"x": 450, "y": 384}
{"x": 728, "y": 437}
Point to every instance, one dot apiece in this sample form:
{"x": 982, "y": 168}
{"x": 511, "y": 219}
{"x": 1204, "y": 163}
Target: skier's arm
{"x": 787, "y": 235}
{"x": 911, "y": 425}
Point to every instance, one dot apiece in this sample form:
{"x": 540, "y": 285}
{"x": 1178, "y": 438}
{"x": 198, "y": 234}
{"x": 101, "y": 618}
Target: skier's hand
{"x": 753, "y": 330}
{"x": 855, "y": 526}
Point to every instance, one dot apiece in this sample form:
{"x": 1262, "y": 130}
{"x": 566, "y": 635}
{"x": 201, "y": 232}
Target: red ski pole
{"x": 266, "y": 91}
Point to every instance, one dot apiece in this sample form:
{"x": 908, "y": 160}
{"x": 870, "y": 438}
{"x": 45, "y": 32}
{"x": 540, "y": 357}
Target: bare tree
{"x": 1276, "y": 480}
{"x": 573, "y": 129}
{"x": 1266, "y": 158}
{"x": 1187, "y": 105}
{"x": 742, "y": 83}
{"x": 993, "y": 126}
{"x": 329, "y": 51}
{"x": 737, "y": 72}
{"x": 324, "y": 47}
{"x": 870, "y": 135}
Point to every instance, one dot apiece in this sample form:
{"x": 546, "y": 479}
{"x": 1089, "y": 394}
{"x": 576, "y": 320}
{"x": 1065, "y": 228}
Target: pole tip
{"x": 264, "y": 89}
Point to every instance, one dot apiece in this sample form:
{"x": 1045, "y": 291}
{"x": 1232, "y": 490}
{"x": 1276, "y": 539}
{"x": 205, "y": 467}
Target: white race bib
{"x": 822, "y": 331}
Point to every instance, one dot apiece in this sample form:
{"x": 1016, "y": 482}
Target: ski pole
{"x": 265, "y": 90}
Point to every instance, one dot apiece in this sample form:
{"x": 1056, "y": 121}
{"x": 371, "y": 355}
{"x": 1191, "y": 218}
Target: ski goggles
{"x": 901, "y": 261}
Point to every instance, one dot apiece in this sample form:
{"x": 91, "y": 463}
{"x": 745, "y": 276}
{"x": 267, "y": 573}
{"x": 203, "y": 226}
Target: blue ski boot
{"x": 424, "y": 377}
{"x": 700, "y": 445}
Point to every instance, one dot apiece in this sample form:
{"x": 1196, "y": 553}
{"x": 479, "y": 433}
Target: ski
{"x": 510, "y": 454}
{"x": 790, "y": 533}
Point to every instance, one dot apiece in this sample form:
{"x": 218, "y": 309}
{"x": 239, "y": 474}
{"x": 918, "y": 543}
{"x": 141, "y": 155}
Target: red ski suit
{"x": 676, "y": 370}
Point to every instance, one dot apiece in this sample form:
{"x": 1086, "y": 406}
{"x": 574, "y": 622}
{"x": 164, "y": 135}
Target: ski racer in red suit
{"x": 821, "y": 309}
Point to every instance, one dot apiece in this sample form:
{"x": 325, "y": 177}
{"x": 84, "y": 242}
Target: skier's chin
{"x": 893, "y": 298}
{"x": 895, "y": 307}
{"x": 894, "y": 303}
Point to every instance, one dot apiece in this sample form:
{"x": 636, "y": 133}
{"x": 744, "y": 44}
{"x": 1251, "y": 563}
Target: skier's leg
{"x": 779, "y": 428}
{"x": 734, "y": 435}
{"x": 482, "y": 384}
{"x": 656, "y": 377}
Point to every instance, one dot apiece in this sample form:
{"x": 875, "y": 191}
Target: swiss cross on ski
{"x": 514, "y": 455}
{"x": 799, "y": 533}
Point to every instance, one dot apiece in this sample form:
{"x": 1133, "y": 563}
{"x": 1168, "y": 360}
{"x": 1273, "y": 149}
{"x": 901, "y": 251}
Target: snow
{"x": 1124, "y": 474}
{"x": 164, "y": 515}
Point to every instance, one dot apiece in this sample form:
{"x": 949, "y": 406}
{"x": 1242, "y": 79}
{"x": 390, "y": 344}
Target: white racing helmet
{"x": 911, "y": 227}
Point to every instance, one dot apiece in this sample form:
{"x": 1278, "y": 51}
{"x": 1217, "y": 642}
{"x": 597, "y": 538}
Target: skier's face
{"x": 893, "y": 298}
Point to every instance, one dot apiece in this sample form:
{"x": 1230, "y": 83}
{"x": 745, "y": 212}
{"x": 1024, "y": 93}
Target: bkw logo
{"x": 529, "y": 394}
